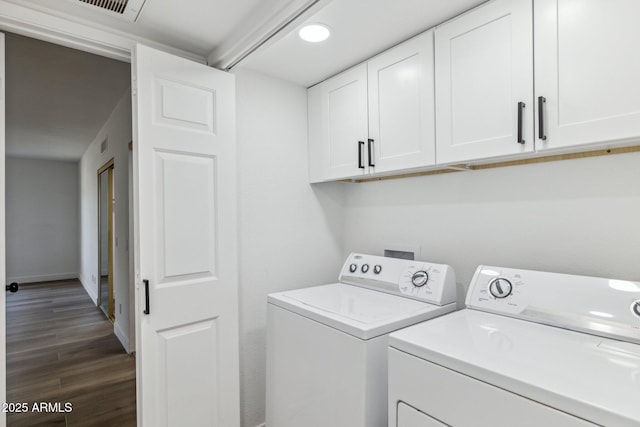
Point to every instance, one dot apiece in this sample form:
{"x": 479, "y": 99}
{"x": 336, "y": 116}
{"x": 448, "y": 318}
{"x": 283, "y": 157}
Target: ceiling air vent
{"x": 117, "y": 6}
{"x": 128, "y": 9}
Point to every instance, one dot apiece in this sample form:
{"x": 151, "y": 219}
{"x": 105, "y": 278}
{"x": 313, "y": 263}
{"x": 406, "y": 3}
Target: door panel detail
{"x": 187, "y": 214}
{"x": 196, "y": 342}
{"x": 180, "y": 104}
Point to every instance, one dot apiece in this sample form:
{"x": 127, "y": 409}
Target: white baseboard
{"x": 124, "y": 339}
{"x": 43, "y": 277}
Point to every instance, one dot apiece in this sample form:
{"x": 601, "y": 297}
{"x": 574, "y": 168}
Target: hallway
{"x": 61, "y": 348}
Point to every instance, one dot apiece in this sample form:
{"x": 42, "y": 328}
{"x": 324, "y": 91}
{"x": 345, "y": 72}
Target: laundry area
{"x": 345, "y": 213}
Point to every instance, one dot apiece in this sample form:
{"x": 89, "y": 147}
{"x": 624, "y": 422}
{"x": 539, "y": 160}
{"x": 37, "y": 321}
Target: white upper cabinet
{"x": 464, "y": 92}
{"x": 484, "y": 83}
{"x": 401, "y": 107}
{"x": 376, "y": 117}
{"x": 338, "y": 126}
{"x": 587, "y": 71}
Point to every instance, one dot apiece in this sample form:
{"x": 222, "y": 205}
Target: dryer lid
{"x": 591, "y": 377}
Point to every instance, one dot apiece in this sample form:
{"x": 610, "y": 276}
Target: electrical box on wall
{"x": 409, "y": 252}
{"x": 391, "y": 253}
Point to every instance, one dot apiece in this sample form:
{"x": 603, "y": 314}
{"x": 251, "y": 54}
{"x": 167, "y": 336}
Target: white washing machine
{"x": 531, "y": 349}
{"x": 327, "y": 345}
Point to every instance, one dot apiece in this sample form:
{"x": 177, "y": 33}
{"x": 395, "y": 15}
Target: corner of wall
{"x": 122, "y": 336}
{"x": 303, "y": 241}
{"x": 92, "y": 294}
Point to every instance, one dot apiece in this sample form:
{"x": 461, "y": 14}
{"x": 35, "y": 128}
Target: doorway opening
{"x": 106, "y": 300}
{"x": 61, "y": 105}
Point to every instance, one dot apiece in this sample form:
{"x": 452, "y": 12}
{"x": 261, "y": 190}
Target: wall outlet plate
{"x": 391, "y": 253}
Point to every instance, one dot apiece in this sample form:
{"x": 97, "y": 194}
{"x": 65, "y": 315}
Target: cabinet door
{"x": 588, "y": 70}
{"x": 338, "y": 139}
{"x": 484, "y": 69}
{"x": 401, "y": 106}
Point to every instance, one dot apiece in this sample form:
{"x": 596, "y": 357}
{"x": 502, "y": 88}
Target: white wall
{"x": 117, "y": 130}
{"x": 575, "y": 216}
{"x": 42, "y": 220}
{"x": 289, "y": 232}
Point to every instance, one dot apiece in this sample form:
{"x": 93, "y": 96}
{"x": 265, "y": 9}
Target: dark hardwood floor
{"x": 61, "y": 348}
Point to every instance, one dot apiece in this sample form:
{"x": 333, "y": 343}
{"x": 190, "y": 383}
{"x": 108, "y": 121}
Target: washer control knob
{"x": 635, "y": 308}
{"x": 353, "y": 268}
{"x": 365, "y": 268}
{"x": 420, "y": 278}
{"x": 377, "y": 269}
{"x": 500, "y": 287}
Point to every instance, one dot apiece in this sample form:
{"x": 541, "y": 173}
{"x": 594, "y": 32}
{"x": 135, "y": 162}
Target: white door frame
{"x": 3, "y": 317}
{"x": 39, "y": 25}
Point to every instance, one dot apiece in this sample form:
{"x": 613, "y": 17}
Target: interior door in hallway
{"x": 186, "y": 242}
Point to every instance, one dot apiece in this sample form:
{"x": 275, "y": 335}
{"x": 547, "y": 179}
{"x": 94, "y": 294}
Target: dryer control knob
{"x": 377, "y": 269}
{"x": 500, "y": 287}
{"x": 635, "y": 308}
{"x": 365, "y": 268}
{"x": 353, "y": 268}
{"x": 420, "y": 278}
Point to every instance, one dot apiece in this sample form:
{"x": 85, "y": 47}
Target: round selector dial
{"x": 377, "y": 269}
{"x": 420, "y": 278}
{"x": 635, "y": 308}
{"x": 365, "y": 268}
{"x": 500, "y": 287}
{"x": 353, "y": 268}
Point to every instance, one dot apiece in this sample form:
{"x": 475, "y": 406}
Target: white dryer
{"x": 327, "y": 345}
{"x": 531, "y": 349}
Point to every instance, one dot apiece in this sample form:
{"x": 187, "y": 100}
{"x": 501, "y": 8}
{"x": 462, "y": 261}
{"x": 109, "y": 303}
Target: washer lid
{"x": 591, "y": 377}
{"x": 360, "y": 312}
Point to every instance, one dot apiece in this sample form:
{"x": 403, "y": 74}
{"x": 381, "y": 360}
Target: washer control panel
{"x": 599, "y": 306}
{"x": 434, "y": 283}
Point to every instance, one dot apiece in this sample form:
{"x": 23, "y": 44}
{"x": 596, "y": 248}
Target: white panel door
{"x": 3, "y": 276}
{"x": 401, "y": 106}
{"x": 186, "y": 245}
{"x": 344, "y": 123}
{"x": 587, "y": 71}
{"x": 484, "y": 83}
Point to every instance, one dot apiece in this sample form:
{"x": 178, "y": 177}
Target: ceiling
{"x": 196, "y": 26}
{"x": 221, "y": 30}
{"x": 360, "y": 29}
{"x": 58, "y": 98}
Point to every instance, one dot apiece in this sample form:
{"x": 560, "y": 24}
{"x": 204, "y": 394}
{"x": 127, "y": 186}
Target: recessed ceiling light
{"x": 314, "y": 33}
